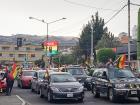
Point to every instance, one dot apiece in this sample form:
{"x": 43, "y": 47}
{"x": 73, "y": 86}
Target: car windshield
{"x": 76, "y": 71}
{"x": 62, "y": 78}
{"x": 120, "y": 73}
{"x": 28, "y": 73}
{"x": 41, "y": 74}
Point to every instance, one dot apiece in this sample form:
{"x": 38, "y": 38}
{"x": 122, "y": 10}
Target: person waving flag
{"x": 121, "y": 61}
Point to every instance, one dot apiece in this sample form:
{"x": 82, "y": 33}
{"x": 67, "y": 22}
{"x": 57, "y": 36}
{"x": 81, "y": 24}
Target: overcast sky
{"x": 14, "y": 16}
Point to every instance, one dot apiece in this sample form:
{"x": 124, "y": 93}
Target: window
{"x": 21, "y": 55}
{"x": 27, "y": 48}
{"x": 35, "y": 74}
{"x": 0, "y": 54}
{"x": 5, "y": 48}
{"x": 16, "y": 48}
{"x": 32, "y": 55}
{"x": 38, "y": 49}
{"x": 11, "y": 55}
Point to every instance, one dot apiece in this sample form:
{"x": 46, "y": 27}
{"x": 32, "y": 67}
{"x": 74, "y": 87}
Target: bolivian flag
{"x": 14, "y": 71}
{"x": 121, "y": 61}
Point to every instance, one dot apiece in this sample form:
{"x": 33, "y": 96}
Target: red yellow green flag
{"x": 14, "y": 71}
{"x": 121, "y": 61}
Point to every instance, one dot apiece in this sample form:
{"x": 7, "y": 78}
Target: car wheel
{"x": 49, "y": 96}
{"x": 139, "y": 99}
{"x": 18, "y": 84}
{"x": 111, "y": 95}
{"x": 32, "y": 90}
{"x": 81, "y": 100}
{"x": 21, "y": 85}
{"x": 95, "y": 93}
{"x": 40, "y": 93}
{"x": 37, "y": 89}
{"x": 88, "y": 88}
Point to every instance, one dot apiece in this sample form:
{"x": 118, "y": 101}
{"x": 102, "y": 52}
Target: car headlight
{"x": 81, "y": 88}
{"x": 40, "y": 80}
{"x": 54, "y": 89}
{"x": 120, "y": 85}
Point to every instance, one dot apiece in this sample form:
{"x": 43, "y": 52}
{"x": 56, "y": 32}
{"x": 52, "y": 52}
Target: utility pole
{"x": 91, "y": 55}
{"x": 129, "y": 55}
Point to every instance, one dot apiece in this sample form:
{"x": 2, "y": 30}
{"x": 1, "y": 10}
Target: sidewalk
{"x": 11, "y": 100}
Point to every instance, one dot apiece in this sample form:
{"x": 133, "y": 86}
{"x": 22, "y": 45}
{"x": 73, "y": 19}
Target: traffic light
{"x": 19, "y": 42}
{"x": 42, "y": 45}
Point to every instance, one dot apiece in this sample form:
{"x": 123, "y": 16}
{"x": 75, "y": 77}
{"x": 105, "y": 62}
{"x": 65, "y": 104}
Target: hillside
{"x": 29, "y": 39}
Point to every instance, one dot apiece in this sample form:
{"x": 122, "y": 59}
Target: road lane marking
{"x": 22, "y": 100}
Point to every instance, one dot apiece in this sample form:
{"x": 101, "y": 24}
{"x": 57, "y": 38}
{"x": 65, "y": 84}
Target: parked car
{"x": 61, "y": 85}
{"x": 24, "y": 78}
{"x": 78, "y": 72}
{"x": 3, "y": 82}
{"x": 115, "y": 84}
{"x": 36, "y": 81}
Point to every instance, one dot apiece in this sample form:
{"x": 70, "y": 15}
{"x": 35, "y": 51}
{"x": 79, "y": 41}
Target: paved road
{"x": 34, "y": 99}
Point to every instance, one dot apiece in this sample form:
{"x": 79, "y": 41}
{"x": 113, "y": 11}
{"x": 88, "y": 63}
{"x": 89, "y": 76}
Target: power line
{"x": 116, "y": 14}
{"x": 135, "y": 4}
{"x": 88, "y": 6}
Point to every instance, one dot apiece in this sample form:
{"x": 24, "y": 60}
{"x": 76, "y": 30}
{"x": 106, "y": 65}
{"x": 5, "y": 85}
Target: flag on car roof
{"x": 121, "y": 61}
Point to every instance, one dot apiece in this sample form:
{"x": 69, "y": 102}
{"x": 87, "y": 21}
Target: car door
{"x": 104, "y": 83}
{"x": 96, "y": 80}
{"x": 45, "y": 86}
{"x": 34, "y": 80}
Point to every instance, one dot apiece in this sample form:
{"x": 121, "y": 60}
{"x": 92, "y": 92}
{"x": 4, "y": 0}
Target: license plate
{"x": 69, "y": 95}
{"x": 133, "y": 92}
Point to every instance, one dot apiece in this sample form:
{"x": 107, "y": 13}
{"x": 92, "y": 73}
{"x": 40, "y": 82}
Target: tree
{"x": 85, "y": 38}
{"x": 107, "y": 41}
{"x": 104, "y": 54}
{"x": 67, "y": 59}
{"x": 138, "y": 37}
{"x": 40, "y": 63}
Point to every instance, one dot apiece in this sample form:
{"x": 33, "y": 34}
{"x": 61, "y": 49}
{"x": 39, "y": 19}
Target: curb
{"x": 22, "y": 100}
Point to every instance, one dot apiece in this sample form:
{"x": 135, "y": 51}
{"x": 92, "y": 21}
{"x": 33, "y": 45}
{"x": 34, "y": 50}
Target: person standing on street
{"x": 9, "y": 81}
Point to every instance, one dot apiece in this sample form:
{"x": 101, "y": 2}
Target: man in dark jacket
{"x": 9, "y": 82}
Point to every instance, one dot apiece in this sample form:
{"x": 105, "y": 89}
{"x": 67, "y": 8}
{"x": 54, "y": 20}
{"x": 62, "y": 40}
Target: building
{"x": 26, "y": 54}
{"x": 123, "y": 38}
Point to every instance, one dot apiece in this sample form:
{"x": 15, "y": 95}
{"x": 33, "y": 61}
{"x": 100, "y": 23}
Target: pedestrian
{"x": 110, "y": 63}
{"x": 9, "y": 81}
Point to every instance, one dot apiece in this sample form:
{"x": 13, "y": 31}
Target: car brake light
{"x": 2, "y": 82}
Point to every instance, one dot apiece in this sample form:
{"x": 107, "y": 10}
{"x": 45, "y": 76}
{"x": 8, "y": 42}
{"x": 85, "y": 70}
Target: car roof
{"x": 58, "y": 73}
{"x": 40, "y": 70}
{"x": 29, "y": 70}
{"x": 74, "y": 67}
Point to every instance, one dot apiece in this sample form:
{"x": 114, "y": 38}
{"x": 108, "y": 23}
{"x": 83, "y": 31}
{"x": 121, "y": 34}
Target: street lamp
{"x": 47, "y": 24}
{"x": 91, "y": 53}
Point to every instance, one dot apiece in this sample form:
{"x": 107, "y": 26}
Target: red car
{"x": 2, "y": 82}
{"x": 24, "y": 79}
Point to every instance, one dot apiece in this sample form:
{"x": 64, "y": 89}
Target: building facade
{"x": 26, "y": 54}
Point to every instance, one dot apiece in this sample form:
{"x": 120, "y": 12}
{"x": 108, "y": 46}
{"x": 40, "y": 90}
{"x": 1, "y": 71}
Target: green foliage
{"x": 107, "y": 41}
{"x": 56, "y": 60}
{"x": 98, "y": 30}
{"x": 40, "y": 63}
{"x": 67, "y": 59}
{"x": 104, "y": 54}
{"x": 138, "y": 37}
